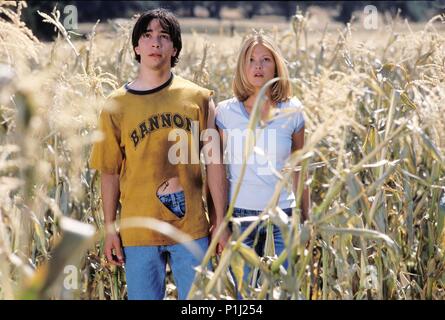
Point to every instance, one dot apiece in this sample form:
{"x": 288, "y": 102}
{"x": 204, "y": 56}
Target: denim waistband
{"x": 175, "y": 202}
{"x": 174, "y": 196}
{"x": 240, "y": 212}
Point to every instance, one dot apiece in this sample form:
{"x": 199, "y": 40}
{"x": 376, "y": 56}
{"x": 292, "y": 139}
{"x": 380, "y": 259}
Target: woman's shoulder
{"x": 293, "y": 103}
{"x": 227, "y": 105}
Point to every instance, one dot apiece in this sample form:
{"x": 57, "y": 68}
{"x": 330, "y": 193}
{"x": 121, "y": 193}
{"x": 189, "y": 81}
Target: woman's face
{"x": 260, "y": 66}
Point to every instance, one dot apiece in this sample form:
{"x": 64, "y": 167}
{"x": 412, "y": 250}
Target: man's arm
{"x": 110, "y": 198}
{"x": 216, "y": 180}
{"x": 298, "y": 143}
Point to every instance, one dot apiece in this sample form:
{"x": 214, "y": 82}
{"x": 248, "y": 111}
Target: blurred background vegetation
{"x": 91, "y": 11}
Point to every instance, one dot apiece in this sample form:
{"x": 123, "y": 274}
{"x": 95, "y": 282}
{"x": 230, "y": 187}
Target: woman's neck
{"x": 250, "y": 101}
{"x": 267, "y": 106}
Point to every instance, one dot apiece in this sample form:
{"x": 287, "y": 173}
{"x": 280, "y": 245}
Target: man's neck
{"x": 150, "y": 79}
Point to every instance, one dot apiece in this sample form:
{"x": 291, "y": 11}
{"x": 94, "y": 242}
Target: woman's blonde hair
{"x": 242, "y": 89}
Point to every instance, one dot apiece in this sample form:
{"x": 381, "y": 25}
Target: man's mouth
{"x": 155, "y": 55}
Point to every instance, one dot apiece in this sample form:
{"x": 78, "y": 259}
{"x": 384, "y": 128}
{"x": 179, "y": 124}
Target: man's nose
{"x": 156, "y": 42}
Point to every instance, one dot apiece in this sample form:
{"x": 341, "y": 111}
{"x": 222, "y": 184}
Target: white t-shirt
{"x": 273, "y": 143}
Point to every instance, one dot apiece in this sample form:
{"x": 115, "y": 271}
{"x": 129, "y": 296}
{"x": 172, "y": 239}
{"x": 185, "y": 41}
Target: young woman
{"x": 259, "y": 61}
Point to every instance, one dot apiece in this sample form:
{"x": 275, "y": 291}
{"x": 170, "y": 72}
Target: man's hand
{"x": 110, "y": 198}
{"x": 222, "y": 240}
{"x": 113, "y": 249}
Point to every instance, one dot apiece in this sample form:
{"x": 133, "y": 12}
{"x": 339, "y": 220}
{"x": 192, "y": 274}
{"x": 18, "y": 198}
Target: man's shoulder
{"x": 190, "y": 85}
{"x": 117, "y": 93}
{"x": 115, "y": 101}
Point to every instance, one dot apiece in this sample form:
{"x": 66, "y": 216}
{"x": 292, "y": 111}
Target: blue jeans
{"x": 175, "y": 202}
{"x": 145, "y": 265}
{"x": 145, "y": 269}
{"x": 260, "y": 232}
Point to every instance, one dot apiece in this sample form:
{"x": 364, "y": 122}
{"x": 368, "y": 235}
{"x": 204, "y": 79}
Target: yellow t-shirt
{"x": 136, "y": 147}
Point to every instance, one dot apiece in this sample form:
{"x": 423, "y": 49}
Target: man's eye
{"x": 165, "y": 36}
{"x": 146, "y": 35}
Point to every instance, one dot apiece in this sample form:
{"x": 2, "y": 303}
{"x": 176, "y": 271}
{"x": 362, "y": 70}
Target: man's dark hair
{"x": 168, "y": 22}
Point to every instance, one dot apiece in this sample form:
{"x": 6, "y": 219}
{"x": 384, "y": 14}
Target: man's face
{"x": 155, "y": 47}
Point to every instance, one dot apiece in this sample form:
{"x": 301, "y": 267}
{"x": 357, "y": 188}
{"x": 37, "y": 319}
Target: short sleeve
{"x": 208, "y": 96}
{"x": 205, "y": 96}
{"x": 298, "y": 117}
{"x": 107, "y": 155}
{"x": 220, "y": 117}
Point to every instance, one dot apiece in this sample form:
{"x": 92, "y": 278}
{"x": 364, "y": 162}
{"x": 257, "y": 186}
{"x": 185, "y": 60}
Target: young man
{"x": 135, "y": 161}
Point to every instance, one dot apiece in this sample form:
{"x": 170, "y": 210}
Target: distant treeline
{"x": 90, "y": 11}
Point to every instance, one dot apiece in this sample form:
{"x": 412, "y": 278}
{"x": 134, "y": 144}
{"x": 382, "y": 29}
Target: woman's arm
{"x": 298, "y": 143}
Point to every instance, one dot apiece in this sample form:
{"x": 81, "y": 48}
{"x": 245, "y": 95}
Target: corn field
{"x": 374, "y": 158}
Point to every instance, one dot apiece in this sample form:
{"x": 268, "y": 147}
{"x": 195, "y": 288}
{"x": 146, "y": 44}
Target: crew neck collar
{"x": 144, "y": 92}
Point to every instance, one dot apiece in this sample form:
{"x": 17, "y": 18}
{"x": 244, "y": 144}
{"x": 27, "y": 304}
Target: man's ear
{"x": 174, "y": 52}
{"x": 136, "y": 49}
